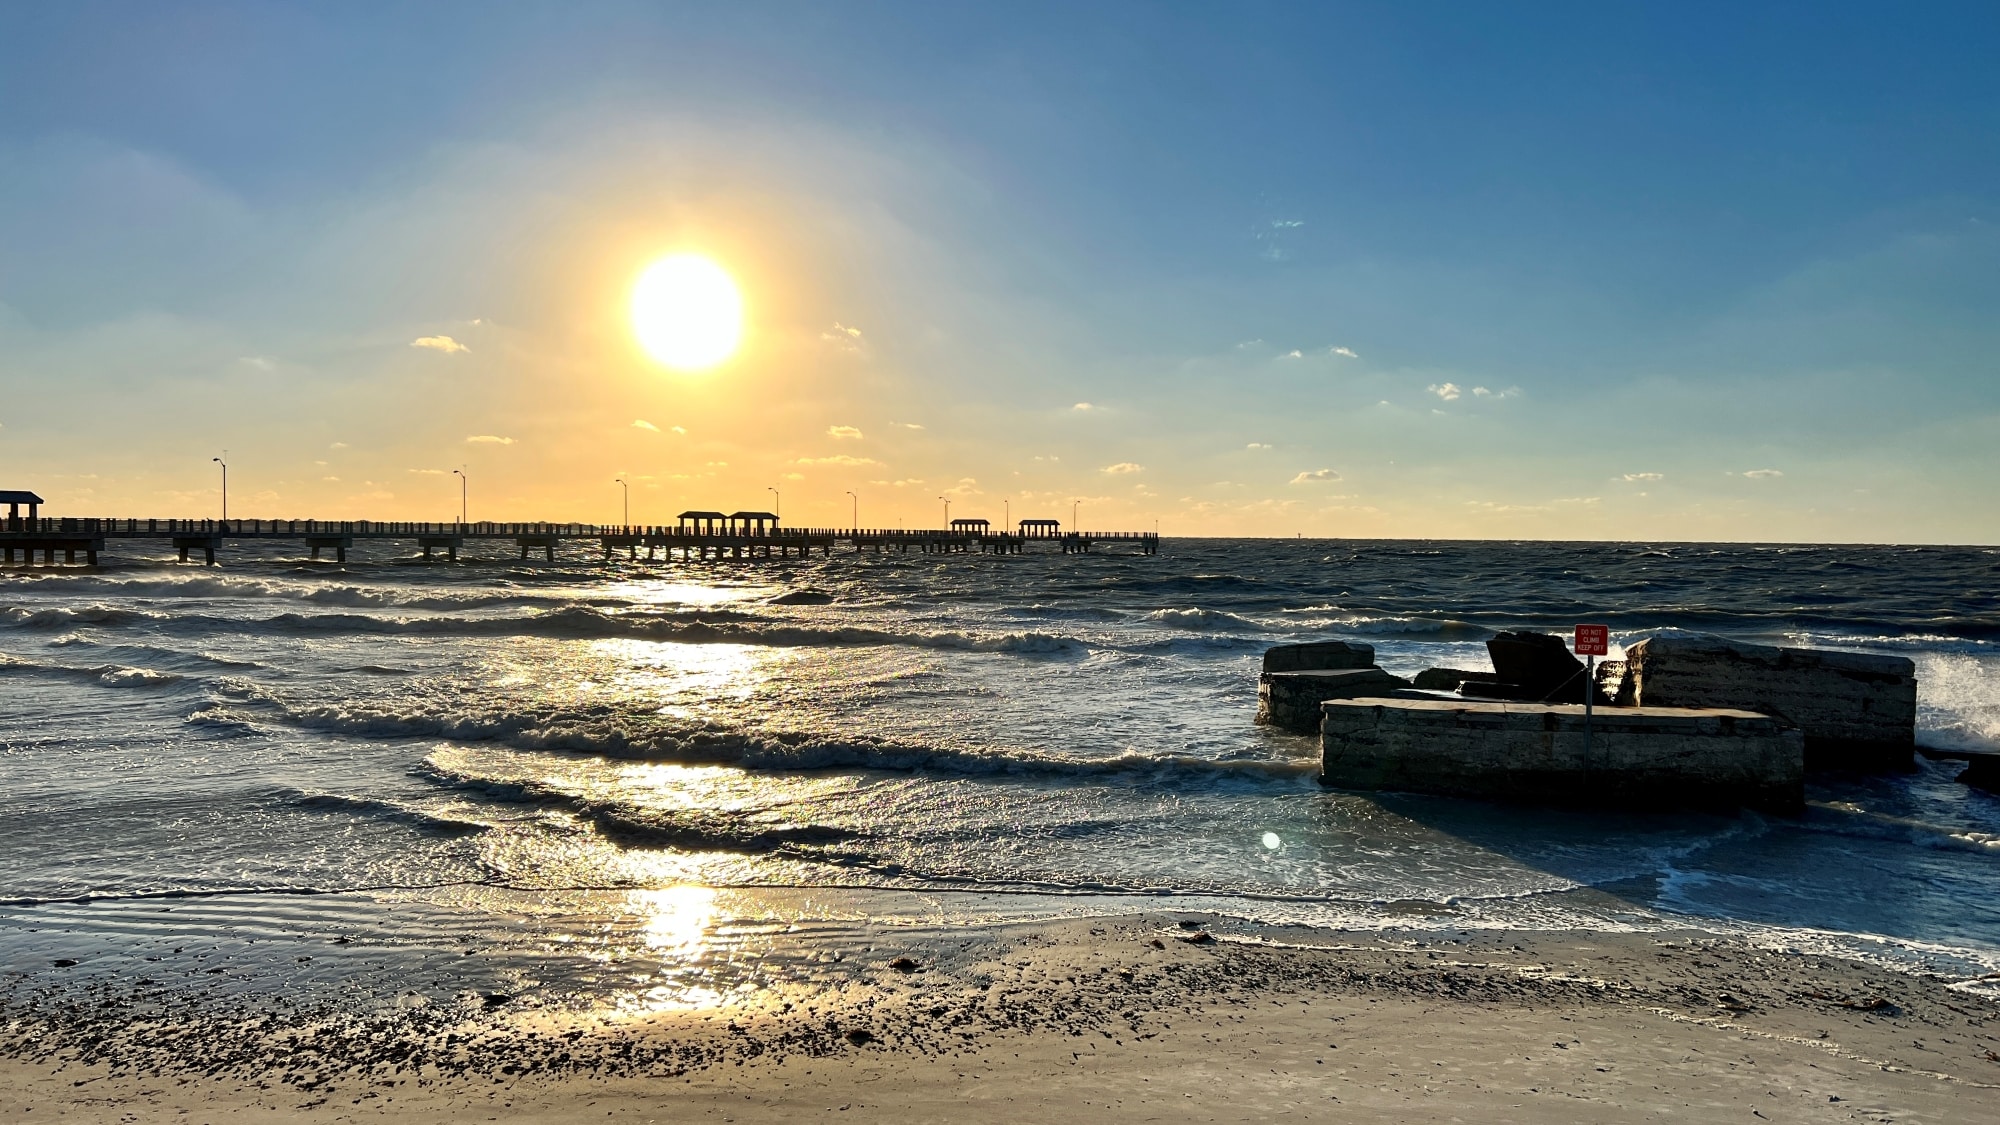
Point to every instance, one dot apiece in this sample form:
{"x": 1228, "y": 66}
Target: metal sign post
{"x": 1592, "y": 641}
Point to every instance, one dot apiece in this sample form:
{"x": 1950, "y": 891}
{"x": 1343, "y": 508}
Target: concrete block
{"x": 1638, "y": 757}
{"x": 1318, "y": 655}
{"x": 1856, "y": 711}
{"x": 1291, "y": 699}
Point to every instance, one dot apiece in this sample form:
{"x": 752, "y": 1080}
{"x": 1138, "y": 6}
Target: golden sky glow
{"x": 687, "y": 312}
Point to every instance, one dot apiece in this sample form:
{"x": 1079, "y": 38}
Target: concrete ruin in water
{"x": 1683, "y": 722}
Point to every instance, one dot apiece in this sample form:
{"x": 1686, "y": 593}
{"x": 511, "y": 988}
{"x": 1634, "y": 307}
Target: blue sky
{"x": 1581, "y": 271}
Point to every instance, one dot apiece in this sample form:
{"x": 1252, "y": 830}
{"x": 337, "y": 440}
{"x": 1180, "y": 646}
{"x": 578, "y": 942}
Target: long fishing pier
{"x": 697, "y": 537}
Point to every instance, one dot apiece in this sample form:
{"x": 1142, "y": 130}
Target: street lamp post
{"x": 620, "y": 482}
{"x": 947, "y": 511}
{"x": 1072, "y": 514}
{"x": 464, "y": 495}
{"x": 1006, "y": 514}
{"x": 225, "y": 483}
{"x": 777, "y": 501}
{"x": 857, "y": 509}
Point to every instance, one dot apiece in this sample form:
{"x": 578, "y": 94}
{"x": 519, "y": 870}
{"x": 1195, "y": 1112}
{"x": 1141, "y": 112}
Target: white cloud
{"x": 843, "y": 336}
{"x": 842, "y": 432}
{"x": 1293, "y": 354}
{"x": 1346, "y": 352}
{"x": 443, "y": 344}
{"x": 1258, "y": 445}
{"x": 908, "y": 425}
{"x": 1083, "y": 406}
{"x": 1122, "y": 468}
{"x": 1510, "y": 392}
{"x": 1643, "y": 476}
{"x": 490, "y": 439}
{"x": 260, "y": 362}
{"x": 428, "y": 472}
{"x": 838, "y": 459}
{"x": 1764, "y": 474}
{"x": 338, "y": 445}
{"x": 642, "y": 424}
{"x": 1446, "y": 391}
{"x": 1311, "y": 475}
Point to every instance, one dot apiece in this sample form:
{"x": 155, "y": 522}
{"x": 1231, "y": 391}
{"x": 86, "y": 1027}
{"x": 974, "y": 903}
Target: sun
{"x": 686, "y": 312}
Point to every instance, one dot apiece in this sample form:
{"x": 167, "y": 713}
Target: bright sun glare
{"x": 686, "y": 312}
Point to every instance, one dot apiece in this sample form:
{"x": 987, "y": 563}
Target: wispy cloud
{"x": 439, "y": 343}
{"x": 260, "y": 362}
{"x": 1764, "y": 474}
{"x": 490, "y": 439}
{"x": 1258, "y": 445}
{"x": 838, "y": 459}
{"x": 642, "y": 424}
{"x": 1123, "y": 467}
{"x": 1482, "y": 392}
{"x": 429, "y": 472}
{"x": 843, "y": 336}
{"x": 1311, "y": 475}
{"x": 908, "y": 425}
{"x": 1643, "y": 476}
{"x": 843, "y": 432}
{"x": 1293, "y": 354}
{"x": 1083, "y": 406}
{"x": 1347, "y": 353}
{"x": 1446, "y": 391}
{"x": 338, "y": 445}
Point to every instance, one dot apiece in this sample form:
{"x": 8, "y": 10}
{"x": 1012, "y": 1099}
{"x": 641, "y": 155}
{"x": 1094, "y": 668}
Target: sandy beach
{"x": 1143, "y": 1018}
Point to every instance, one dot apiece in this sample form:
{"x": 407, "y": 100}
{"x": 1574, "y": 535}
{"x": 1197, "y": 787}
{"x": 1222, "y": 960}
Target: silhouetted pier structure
{"x": 699, "y": 535}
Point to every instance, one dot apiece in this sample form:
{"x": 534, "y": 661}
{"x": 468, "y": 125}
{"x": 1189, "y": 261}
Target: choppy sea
{"x": 642, "y": 784}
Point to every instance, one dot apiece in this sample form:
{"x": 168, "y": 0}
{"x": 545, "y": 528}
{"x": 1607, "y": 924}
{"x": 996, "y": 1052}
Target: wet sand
{"x": 1144, "y": 1018}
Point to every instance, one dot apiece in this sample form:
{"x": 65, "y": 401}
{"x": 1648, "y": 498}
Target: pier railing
{"x": 127, "y": 528}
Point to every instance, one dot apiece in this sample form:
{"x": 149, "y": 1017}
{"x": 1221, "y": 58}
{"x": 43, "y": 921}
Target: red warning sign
{"x": 1593, "y": 640}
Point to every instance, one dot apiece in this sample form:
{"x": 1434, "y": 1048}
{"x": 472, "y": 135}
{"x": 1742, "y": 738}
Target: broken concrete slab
{"x": 1638, "y": 757}
{"x": 1538, "y": 665}
{"x": 1448, "y": 679}
{"x": 1856, "y": 710}
{"x": 1982, "y": 771}
{"x": 1318, "y": 655}
{"x": 1291, "y": 699}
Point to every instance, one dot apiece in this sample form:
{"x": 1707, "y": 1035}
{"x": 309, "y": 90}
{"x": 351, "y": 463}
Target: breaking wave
{"x": 108, "y": 675}
{"x": 378, "y": 809}
{"x": 619, "y": 733}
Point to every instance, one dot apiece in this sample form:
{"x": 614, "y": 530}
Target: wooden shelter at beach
{"x": 1041, "y": 529}
{"x": 14, "y": 498}
{"x": 971, "y": 527}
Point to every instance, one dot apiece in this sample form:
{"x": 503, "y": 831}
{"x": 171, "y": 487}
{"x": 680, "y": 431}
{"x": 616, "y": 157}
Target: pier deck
{"x": 46, "y": 536}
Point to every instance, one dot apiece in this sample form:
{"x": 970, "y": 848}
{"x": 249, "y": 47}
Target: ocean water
{"x": 649, "y": 783}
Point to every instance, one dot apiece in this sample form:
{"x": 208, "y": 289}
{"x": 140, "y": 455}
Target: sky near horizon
{"x": 1674, "y": 271}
